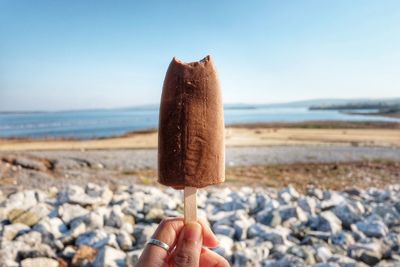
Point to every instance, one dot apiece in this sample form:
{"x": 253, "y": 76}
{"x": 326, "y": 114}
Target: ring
{"x": 158, "y": 243}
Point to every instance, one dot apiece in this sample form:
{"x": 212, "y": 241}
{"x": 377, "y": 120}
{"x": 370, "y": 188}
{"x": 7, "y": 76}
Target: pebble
{"x": 109, "y": 257}
{"x": 41, "y": 261}
{"x": 94, "y": 226}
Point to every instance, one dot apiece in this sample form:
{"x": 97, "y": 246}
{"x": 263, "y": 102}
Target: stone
{"x": 276, "y": 236}
{"x": 95, "y": 239}
{"x": 373, "y": 227}
{"x": 333, "y": 199}
{"x": 12, "y": 230}
{"x": 304, "y": 252}
{"x": 307, "y": 204}
{"x": 142, "y": 233}
{"x": 315, "y": 192}
{"x": 116, "y": 217}
{"x": 342, "y": 260}
{"x": 84, "y": 256}
{"x": 30, "y": 238}
{"x": 388, "y": 213}
{"x": 23, "y": 200}
{"x": 326, "y": 222}
{"x": 69, "y": 212}
{"x": 288, "y": 194}
{"x": 269, "y": 217}
{"x": 54, "y": 226}
{"x": 288, "y": 212}
{"x": 322, "y": 254}
{"x": 10, "y": 249}
{"x": 31, "y": 216}
{"x": 155, "y": 215}
{"x": 68, "y": 252}
{"x": 369, "y": 253}
{"x": 96, "y": 218}
{"x": 36, "y": 251}
{"x": 225, "y": 245}
{"x": 224, "y": 230}
{"x": 109, "y": 257}
{"x": 132, "y": 257}
{"x": 347, "y": 214}
{"x": 39, "y": 262}
{"x": 76, "y": 230}
{"x": 286, "y": 260}
{"x": 342, "y": 239}
{"x": 124, "y": 240}
{"x": 93, "y": 195}
{"x": 241, "y": 227}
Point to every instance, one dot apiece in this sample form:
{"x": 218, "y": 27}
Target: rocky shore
{"x": 94, "y": 226}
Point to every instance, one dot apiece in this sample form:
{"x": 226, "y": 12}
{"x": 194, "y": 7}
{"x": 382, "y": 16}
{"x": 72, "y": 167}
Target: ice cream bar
{"x": 191, "y": 128}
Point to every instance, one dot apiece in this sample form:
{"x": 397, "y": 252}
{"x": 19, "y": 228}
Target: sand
{"x": 235, "y": 137}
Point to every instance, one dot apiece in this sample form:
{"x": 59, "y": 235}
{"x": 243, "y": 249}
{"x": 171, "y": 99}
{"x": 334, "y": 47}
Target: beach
{"x": 332, "y": 155}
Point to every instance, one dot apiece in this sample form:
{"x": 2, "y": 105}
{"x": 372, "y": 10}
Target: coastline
{"x": 346, "y": 133}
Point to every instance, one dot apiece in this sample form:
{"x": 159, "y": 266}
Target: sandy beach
{"x": 341, "y": 154}
{"x": 235, "y": 136}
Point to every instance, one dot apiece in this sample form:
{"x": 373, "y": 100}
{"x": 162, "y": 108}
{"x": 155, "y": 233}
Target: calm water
{"x": 104, "y": 123}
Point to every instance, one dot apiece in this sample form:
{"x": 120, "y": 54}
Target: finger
{"x": 209, "y": 258}
{"x": 188, "y": 247}
{"x": 209, "y": 238}
{"x": 168, "y": 232}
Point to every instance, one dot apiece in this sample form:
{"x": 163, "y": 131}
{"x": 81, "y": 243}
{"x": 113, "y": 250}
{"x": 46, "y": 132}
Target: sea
{"x": 102, "y": 123}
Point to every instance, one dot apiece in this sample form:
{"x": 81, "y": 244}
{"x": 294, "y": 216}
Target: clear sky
{"x": 88, "y": 54}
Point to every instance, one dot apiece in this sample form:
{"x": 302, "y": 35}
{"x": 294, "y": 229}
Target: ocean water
{"x": 105, "y": 123}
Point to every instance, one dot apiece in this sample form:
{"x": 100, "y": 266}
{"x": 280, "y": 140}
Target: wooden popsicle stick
{"x": 190, "y": 204}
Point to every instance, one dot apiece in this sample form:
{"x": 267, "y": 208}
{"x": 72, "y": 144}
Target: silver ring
{"x": 158, "y": 243}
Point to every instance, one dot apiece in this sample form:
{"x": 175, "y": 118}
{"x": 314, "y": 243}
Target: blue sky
{"x": 58, "y": 55}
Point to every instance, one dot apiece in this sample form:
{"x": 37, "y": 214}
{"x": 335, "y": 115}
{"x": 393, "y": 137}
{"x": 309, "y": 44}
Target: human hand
{"x": 188, "y": 246}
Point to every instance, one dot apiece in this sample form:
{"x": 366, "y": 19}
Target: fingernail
{"x": 192, "y": 232}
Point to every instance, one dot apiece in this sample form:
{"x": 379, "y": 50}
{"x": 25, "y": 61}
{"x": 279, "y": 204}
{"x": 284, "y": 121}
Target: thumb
{"x": 188, "y": 247}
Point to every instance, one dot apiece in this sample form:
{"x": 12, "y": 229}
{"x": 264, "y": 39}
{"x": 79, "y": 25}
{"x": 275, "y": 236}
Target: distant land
{"x": 381, "y": 107}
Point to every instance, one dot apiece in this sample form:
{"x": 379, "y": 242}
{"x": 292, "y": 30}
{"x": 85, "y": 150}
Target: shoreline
{"x": 323, "y": 124}
{"x": 369, "y": 134}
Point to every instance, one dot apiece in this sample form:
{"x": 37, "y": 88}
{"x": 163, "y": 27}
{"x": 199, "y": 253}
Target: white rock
{"x": 10, "y": 249}
{"x": 95, "y": 239}
{"x": 12, "y": 230}
{"x": 326, "y": 222}
{"x": 76, "y": 230}
{"x": 224, "y": 230}
{"x": 109, "y": 257}
{"x": 373, "y": 228}
{"x": 347, "y": 214}
{"x": 274, "y": 235}
{"x": 68, "y": 252}
{"x": 31, "y": 238}
{"x": 333, "y": 199}
{"x": 22, "y": 200}
{"x": 39, "y": 262}
{"x": 54, "y": 226}
{"x": 225, "y": 245}
{"x": 307, "y": 204}
{"x": 322, "y": 254}
{"x": 132, "y": 257}
{"x": 93, "y": 195}
{"x": 116, "y": 217}
{"x": 69, "y": 212}
{"x": 288, "y": 212}
{"x": 124, "y": 240}
{"x": 142, "y": 233}
{"x": 288, "y": 194}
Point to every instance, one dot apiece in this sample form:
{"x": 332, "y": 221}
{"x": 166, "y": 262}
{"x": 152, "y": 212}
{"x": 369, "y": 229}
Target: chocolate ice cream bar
{"x": 191, "y": 151}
